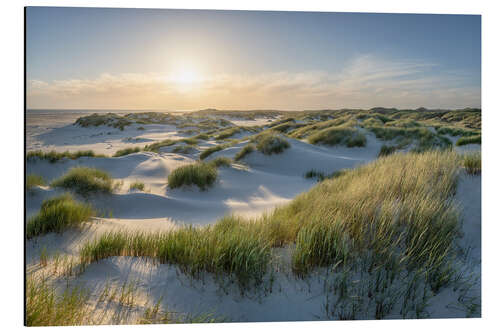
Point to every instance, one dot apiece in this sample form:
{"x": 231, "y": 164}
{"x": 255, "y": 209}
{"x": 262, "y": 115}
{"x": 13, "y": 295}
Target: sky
{"x": 96, "y": 58}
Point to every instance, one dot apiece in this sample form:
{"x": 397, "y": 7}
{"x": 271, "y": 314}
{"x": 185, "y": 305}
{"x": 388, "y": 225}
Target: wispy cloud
{"x": 365, "y": 82}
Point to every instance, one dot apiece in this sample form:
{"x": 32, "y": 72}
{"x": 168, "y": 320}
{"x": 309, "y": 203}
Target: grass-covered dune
{"x": 360, "y": 221}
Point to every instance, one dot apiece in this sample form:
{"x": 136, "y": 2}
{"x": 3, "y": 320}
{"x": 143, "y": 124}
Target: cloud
{"x": 366, "y": 81}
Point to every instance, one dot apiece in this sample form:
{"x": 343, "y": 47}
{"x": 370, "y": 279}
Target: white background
{"x": 12, "y": 159}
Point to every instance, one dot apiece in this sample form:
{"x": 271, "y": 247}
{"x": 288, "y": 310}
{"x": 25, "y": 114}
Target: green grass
{"x": 155, "y": 147}
{"x": 47, "y": 307}
{"x": 33, "y": 180}
{"x": 386, "y": 150}
{"x": 244, "y": 151}
{"x": 126, "y": 151}
{"x": 85, "y": 181}
{"x": 53, "y": 156}
{"x": 467, "y": 140}
{"x": 269, "y": 143}
{"x": 200, "y": 174}
{"x": 137, "y": 186}
{"x": 220, "y": 161}
{"x": 231, "y": 247}
{"x": 424, "y": 138}
{"x": 183, "y": 149}
{"x": 341, "y": 135}
{"x": 472, "y": 163}
{"x": 359, "y": 221}
{"x": 58, "y": 214}
{"x": 318, "y": 175}
{"x": 227, "y": 133}
{"x": 209, "y": 151}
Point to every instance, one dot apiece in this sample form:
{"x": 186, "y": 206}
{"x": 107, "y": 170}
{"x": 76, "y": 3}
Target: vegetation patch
{"x": 340, "y": 135}
{"x": 137, "y": 186}
{"x": 85, "y": 181}
{"x": 209, "y": 151}
{"x": 467, "y": 140}
{"x": 386, "y": 150}
{"x": 231, "y": 247}
{"x": 58, "y": 214}
{"x": 155, "y": 147}
{"x": 269, "y": 143}
{"x": 126, "y": 151}
{"x": 200, "y": 174}
{"x": 244, "y": 151}
{"x": 472, "y": 163}
{"x": 220, "y": 161}
{"x": 47, "y": 307}
{"x": 53, "y": 156}
{"x": 33, "y": 180}
{"x": 228, "y": 133}
{"x": 184, "y": 149}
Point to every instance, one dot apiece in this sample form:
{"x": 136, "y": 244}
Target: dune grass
{"x": 318, "y": 175}
{"x": 53, "y": 156}
{"x": 228, "y": 247}
{"x": 200, "y": 174}
{"x": 155, "y": 147}
{"x": 386, "y": 150}
{"x": 467, "y": 140}
{"x": 472, "y": 163}
{"x": 339, "y": 135}
{"x": 57, "y": 214}
{"x": 137, "y": 186}
{"x": 244, "y": 151}
{"x": 85, "y": 181}
{"x": 46, "y": 307}
{"x": 209, "y": 151}
{"x": 33, "y": 180}
{"x": 360, "y": 221}
{"x": 183, "y": 149}
{"x": 269, "y": 142}
{"x": 126, "y": 151}
{"x": 424, "y": 138}
{"x": 227, "y": 133}
{"x": 220, "y": 161}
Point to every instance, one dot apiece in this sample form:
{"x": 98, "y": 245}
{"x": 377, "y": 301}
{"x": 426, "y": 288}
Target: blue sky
{"x": 180, "y": 59}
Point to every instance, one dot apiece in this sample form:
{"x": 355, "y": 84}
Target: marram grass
{"x": 200, "y": 174}
{"x": 360, "y": 218}
{"x": 85, "y": 181}
{"x": 57, "y": 214}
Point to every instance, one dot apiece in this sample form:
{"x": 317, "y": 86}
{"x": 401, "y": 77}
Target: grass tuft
{"x": 209, "y": 151}
{"x": 386, "y": 150}
{"x": 200, "y": 174}
{"x": 339, "y": 135}
{"x": 58, "y": 214}
{"x": 269, "y": 143}
{"x": 244, "y": 152}
{"x": 33, "y": 180}
{"x": 472, "y": 163}
{"x": 126, "y": 151}
{"x": 137, "y": 186}
{"x": 221, "y": 161}
{"x": 85, "y": 181}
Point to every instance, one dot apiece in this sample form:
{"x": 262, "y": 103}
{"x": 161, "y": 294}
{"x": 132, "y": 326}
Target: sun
{"x": 185, "y": 78}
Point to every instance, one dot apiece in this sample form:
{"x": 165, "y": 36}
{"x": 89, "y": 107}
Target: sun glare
{"x": 185, "y": 78}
